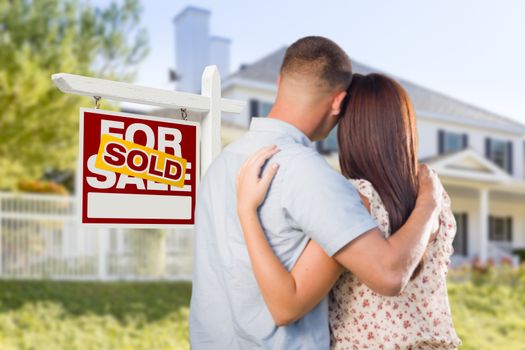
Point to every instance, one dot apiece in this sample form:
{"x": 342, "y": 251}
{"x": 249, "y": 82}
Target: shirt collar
{"x": 282, "y": 127}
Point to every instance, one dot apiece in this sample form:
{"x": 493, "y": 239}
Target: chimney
{"x": 192, "y": 47}
{"x": 220, "y": 54}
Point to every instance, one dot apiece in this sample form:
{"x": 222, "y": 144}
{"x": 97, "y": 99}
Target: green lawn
{"x": 85, "y": 315}
{"x": 488, "y": 308}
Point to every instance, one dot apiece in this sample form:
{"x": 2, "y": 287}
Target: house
{"x": 479, "y": 155}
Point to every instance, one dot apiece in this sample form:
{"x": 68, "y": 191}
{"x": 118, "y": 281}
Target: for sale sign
{"x": 137, "y": 170}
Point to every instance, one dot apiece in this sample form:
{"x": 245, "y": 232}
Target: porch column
{"x": 483, "y": 227}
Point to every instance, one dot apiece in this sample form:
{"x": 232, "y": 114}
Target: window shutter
{"x": 441, "y": 141}
{"x": 465, "y": 141}
{"x": 487, "y": 147}
{"x": 254, "y": 108}
{"x": 509, "y": 228}
{"x": 509, "y": 157}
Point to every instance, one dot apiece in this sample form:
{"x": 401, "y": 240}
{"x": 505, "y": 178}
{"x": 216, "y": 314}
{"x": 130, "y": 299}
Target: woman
{"x": 378, "y": 153}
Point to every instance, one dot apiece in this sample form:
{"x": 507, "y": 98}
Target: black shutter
{"x": 509, "y": 157}
{"x": 487, "y": 147}
{"x": 465, "y": 141}
{"x": 441, "y": 141}
{"x": 509, "y": 229}
{"x": 464, "y": 217}
{"x": 254, "y": 108}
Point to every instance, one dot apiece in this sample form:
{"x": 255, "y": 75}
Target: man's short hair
{"x": 320, "y": 58}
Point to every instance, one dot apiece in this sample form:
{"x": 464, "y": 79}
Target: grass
{"x": 488, "y": 307}
{"x": 87, "y": 315}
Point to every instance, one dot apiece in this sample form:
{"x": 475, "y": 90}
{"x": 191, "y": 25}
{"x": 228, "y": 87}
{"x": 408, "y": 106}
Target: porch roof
{"x": 469, "y": 168}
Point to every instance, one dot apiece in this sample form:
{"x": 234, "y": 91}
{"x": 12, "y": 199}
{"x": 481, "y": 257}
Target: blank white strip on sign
{"x": 137, "y": 206}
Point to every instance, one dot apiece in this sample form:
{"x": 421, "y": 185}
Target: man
{"x": 307, "y": 199}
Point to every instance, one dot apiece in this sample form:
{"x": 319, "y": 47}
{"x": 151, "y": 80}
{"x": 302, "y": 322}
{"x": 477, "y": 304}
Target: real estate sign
{"x": 137, "y": 170}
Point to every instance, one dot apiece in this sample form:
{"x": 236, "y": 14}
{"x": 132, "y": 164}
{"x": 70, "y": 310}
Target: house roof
{"x": 426, "y": 102}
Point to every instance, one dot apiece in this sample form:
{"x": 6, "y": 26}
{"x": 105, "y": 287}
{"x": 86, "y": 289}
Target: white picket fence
{"x": 41, "y": 238}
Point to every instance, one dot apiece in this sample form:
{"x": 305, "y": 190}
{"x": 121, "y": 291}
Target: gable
{"x": 469, "y": 164}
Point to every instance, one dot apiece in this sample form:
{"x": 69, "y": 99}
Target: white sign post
{"x": 209, "y": 104}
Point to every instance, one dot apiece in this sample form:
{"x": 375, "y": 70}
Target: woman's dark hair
{"x": 378, "y": 142}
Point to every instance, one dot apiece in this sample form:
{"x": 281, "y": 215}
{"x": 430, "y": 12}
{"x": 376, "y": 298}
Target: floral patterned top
{"x": 419, "y": 318}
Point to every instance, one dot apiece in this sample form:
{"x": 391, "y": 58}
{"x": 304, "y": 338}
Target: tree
{"x": 38, "y": 123}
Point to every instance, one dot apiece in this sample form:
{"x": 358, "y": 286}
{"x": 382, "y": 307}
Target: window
{"x": 260, "y": 108}
{"x": 500, "y": 229}
{"x": 329, "y": 144}
{"x": 451, "y": 141}
{"x": 500, "y": 152}
{"x": 460, "y": 242}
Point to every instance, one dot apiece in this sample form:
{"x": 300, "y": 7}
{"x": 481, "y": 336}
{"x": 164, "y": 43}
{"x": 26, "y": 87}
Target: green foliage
{"x": 38, "y": 123}
{"x": 488, "y": 308}
{"x": 86, "y": 315}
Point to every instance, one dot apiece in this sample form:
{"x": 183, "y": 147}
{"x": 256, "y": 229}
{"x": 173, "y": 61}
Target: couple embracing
{"x": 291, "y": 254}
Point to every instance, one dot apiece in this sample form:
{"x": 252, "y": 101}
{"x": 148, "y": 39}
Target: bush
{"x": 39, "y": 186}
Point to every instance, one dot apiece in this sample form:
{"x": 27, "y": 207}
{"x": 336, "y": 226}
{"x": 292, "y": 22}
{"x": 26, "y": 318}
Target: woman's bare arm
{"x": 290, "y": 295}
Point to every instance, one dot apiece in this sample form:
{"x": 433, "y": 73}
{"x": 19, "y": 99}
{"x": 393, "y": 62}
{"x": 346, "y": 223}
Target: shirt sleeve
{"x": 323, "y": 204}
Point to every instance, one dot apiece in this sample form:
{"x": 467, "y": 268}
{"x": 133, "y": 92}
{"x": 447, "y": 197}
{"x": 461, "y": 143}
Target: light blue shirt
{"x": 307, "y": 199}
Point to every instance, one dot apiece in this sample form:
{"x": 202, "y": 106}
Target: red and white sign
{"x": 137, "y": 170}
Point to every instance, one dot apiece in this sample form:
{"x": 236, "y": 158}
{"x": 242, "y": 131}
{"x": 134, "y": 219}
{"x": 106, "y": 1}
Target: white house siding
{"x": 427, "y": 128}
{"x": 427, "y": 133}
{"x": 246, "y": 94}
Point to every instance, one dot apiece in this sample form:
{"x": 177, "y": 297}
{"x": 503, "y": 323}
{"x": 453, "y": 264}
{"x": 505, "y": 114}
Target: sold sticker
{"x": 125, "y": 157}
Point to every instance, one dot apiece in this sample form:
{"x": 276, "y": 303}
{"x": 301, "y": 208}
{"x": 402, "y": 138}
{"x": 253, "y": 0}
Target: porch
{"x": 489, "y": 206}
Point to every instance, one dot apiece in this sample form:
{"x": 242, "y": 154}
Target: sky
{"x": 473, "y": 50}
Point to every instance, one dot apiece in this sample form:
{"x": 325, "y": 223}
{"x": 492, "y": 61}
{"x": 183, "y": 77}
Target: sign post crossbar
{"x": 209, "y": 103}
